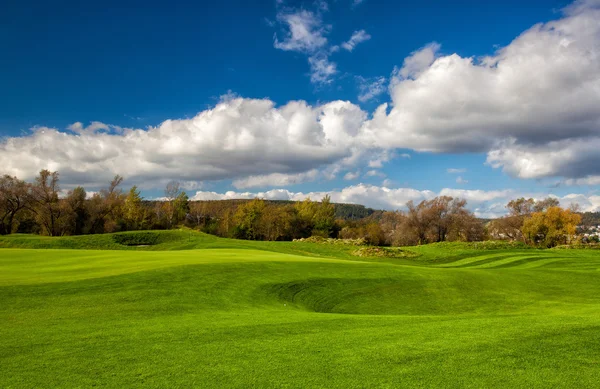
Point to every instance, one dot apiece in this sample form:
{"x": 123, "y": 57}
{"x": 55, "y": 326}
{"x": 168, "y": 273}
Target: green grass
{"x": 193, "y": 310}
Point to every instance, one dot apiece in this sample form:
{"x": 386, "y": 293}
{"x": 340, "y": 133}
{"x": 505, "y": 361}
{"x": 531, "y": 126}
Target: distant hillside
{"x": 342, "y": 211}
{"x": 590, "y": 218}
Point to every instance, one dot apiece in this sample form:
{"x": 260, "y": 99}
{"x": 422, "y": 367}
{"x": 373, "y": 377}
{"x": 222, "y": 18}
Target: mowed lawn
{"x": 207, "y": 312}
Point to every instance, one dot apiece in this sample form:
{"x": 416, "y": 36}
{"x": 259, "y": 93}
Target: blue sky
{"x": 278, "y": 98}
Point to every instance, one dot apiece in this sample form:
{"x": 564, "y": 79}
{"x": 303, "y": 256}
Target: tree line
{"x": 38, "y": 207}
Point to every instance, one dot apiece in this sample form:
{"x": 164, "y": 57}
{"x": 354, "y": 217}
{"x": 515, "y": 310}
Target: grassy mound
{"x": 384, "y": 252}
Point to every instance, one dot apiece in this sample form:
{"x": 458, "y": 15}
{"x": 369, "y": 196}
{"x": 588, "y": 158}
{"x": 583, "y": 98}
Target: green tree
{"x": 324, "y": 218}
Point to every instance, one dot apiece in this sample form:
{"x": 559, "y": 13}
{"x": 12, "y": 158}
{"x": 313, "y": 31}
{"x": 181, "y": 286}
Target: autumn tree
{"x": 551, "y": 227}
{"x": 133, "y": 210}
{"x": 181, "y": 207}
{"x": 14, "y": 198}
{"x": 440, "y": 219}
{"x": 395, "y": 229}
{"x": 105, "y": 207}
{"x": 176, "y": 204}
{"x": 45, "y": 202}
{"x": 76, "y": 208}
{"x": 248, "y": 220}
{"x": 511, "y": 226}
{"x": 546, "y": 204}
{"x": 418, "y": 221}
{"x": 278, "y": 222}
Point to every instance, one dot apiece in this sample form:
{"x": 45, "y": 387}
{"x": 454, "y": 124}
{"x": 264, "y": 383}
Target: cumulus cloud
{"x": 577, "y": 158}
{"x": 235, "y": 139}
{"x": 532, "y": 105}
{"x": 356, "y": 38}
{"x": 417, "y": 62}
{"x": 460, "y": 180}
{"x": 486, "y": 204}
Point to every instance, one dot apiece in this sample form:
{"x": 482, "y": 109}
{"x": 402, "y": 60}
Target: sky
{"x": 371, "y": 102}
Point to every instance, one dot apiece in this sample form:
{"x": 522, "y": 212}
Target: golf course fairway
{"x": 193, "y": 310}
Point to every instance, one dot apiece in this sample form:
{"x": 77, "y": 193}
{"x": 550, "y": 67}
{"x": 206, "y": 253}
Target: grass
{"x": 187, "y": 309}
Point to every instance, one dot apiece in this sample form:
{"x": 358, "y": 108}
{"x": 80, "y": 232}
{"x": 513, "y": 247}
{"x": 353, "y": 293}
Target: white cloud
{"x": 374, "y": 173}
{"x": 533, "y": 105}
{"x": 589, "y": 180}
{"x": 357, "y": 2}
{"x": 306, "y": 32}
{"x": 418, "y": 62}
{"x": 351, "y": 176}
{"x": 370, "y": 87}
{"x": 575, "y": 158}
{"x": 235, "y": 139}
{"x": 321, "y": 69}
{"x": 456, "y": 171}
{"x": 460, "y": 180}
{"x": 276, "y": 179}
{"x": 356, "y": 38}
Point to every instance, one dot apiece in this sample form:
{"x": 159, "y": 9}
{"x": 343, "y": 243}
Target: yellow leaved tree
{"x": 551, "y": 227}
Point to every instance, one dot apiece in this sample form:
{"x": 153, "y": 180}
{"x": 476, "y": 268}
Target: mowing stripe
{"x": 477, "y": 258}
{"x": 511, "y": 261}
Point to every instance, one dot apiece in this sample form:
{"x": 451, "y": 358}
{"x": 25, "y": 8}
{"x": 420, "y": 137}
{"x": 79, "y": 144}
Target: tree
{"x": 440, "y": 219}
{"x": 133, "y": 211}
{"x": 105, "y": 207}
{"x": 248, "y": 220}
{"x": 520, "y": 207}
{"x": 278, "y": 222}
{"x": 306, "y": 211}
{"x": 45, "y": 203}
{"x": 418, "y": 221}
{"x": 551, "y": 227}
{"x": 511, "y": 226}
{"x": 172, "y": 192}
{"x": 324, "y": 218}
{"x": 181, "y": 207}
{"x": 545, "y": 204}
{"x": 76, "y": 207}
{"x": 14, "y": 198}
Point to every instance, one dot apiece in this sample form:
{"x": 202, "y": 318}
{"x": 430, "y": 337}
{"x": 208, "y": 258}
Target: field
{"x": 183, "y": 309}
